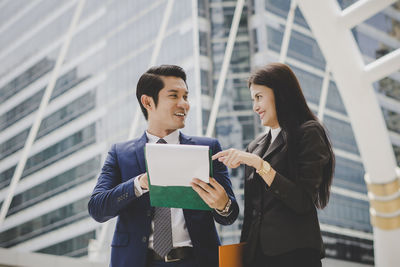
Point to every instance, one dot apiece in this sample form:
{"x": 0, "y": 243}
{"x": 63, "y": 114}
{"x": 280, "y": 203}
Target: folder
{"x": 231, "y": 255}
{"x": 171, "y": 168}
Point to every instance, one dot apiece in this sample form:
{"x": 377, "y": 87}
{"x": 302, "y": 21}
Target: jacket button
{"x": 148, "y": 213}
{"x": 144, "y": 239}
{"x": 277, "y": 191}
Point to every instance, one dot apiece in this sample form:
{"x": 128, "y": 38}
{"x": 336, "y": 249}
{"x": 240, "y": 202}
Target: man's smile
{"x": 180, "y": 114}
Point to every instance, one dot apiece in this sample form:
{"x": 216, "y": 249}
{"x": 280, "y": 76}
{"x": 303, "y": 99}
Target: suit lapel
{"x": 260, "y": 145}
{"x": 249, "y": 172}
{"x": 139, "y": 150}
{"x": 275, "y": 145}
{"x": 184, "y": 139}
{"x": 258, "y": 150}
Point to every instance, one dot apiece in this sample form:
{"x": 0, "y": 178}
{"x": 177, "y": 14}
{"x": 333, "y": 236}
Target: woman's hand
{"x": 232, "y": 158}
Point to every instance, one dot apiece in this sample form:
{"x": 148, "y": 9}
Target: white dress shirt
{"x": 180, "y": 234}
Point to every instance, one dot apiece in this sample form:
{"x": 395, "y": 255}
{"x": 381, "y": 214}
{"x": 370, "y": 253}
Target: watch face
{"x": 267, "y": 167}
{"x": 228, "y": 205}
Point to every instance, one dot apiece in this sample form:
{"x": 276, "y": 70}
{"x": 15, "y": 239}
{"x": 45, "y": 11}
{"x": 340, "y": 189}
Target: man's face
{"x": 172, "y": 107}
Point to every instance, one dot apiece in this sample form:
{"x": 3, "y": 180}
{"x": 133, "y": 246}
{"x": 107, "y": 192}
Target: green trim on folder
{"x": 211, "y": 163}
{"x": 147, "y": 169}
{"x": 183, "y": 197}
{"x": 176, "y": 197}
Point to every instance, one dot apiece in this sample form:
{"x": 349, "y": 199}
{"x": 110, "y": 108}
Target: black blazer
{"x": 283, "y": 217}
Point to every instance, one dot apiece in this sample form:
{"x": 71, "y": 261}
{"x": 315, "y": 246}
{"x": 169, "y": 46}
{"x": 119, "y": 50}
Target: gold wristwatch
{"x": 227, "y": 206}
{"x": 265, "y": 168}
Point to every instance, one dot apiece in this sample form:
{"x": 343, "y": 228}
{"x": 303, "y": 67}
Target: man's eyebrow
{"x": 176, "y": 91}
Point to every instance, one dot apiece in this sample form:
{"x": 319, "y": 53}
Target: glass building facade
{"x": 93, "y": 104}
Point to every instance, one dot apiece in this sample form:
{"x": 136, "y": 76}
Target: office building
{"x": 93, "y": 104}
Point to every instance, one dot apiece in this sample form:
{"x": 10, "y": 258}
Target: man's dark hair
{"x": 292, "y": 111}
{"x": 150, "y": 83}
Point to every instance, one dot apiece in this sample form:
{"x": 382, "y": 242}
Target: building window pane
{"x": 389, "y": 87}
{"x": 341, "y": 134}
{"x": 45, "y": 223}
{"x": 62, "y": 182}
{"x": 53, "y": 153}
{"x": 74, "y": 247}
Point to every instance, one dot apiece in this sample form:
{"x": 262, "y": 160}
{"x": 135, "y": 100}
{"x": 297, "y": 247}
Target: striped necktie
{"x": 162, "y": 243}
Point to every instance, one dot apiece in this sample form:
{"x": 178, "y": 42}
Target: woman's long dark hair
{"x": 292, "y": 111}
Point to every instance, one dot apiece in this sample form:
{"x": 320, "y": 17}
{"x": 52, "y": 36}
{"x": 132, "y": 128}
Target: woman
{"x": 288, "y": 173}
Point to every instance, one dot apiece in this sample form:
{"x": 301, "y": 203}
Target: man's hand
{"x": 214, "y": 195}
{"x": 143, "y": 181}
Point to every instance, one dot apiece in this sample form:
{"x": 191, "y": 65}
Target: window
{"x": 26, "y": 78}
{"x": 346, "y": 212}
{"x": 203, "y": 38}
{"x": 51, "y": 122}
{"x": 350, "y": 175}
{"x": 334, "y": 100}
{"x": 255, "y": 40}
{"x": 392, "y": 120}
{"x": 385, "y": 23}
{"x": 205, "y": 82}
{"x": 369, "y": 46}
{"x": 305, "y": 49}
{"x": 64, "y": 83}
{"x": 74, "y": 247}
{"x": 202, "y": 8}
{"x": 60, "y": 150}
{"x": 45, "y": 223}
{"x": 310, "y": 84}
{"x": 62, "y": 182}
{"x": 348, "y": 248}
{"x": 240, "y": 61}
{"x": 341, "y": 134}
{"x": 389, "y": 87}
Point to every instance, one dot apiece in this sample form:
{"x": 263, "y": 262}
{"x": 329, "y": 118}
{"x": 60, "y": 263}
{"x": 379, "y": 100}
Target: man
{"x": 147, "y": 236}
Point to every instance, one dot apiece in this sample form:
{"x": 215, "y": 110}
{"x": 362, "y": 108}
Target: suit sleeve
{"x": 312, "y": 156}
{"x": 220, "y": 173}
{"x": 248, "y": 208}
{"x": 110, "y": 196}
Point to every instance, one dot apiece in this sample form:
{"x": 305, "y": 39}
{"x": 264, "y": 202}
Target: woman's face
{"x": 264, "y": 105}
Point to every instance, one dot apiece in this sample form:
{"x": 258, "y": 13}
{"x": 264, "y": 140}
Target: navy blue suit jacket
{"x": 114, "y": 196}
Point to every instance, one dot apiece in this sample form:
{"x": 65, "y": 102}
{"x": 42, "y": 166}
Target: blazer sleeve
{"x": 220, "y": 173}
{"x": 110, "y": 196}
{"x": 313, "y": 154}
{"x": 248, "y": 207}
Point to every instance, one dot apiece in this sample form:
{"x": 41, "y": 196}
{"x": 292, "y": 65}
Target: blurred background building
{"x": 93, "y": 104}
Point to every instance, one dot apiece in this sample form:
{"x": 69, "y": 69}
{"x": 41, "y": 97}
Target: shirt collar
{"x": 172, "y": 138}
